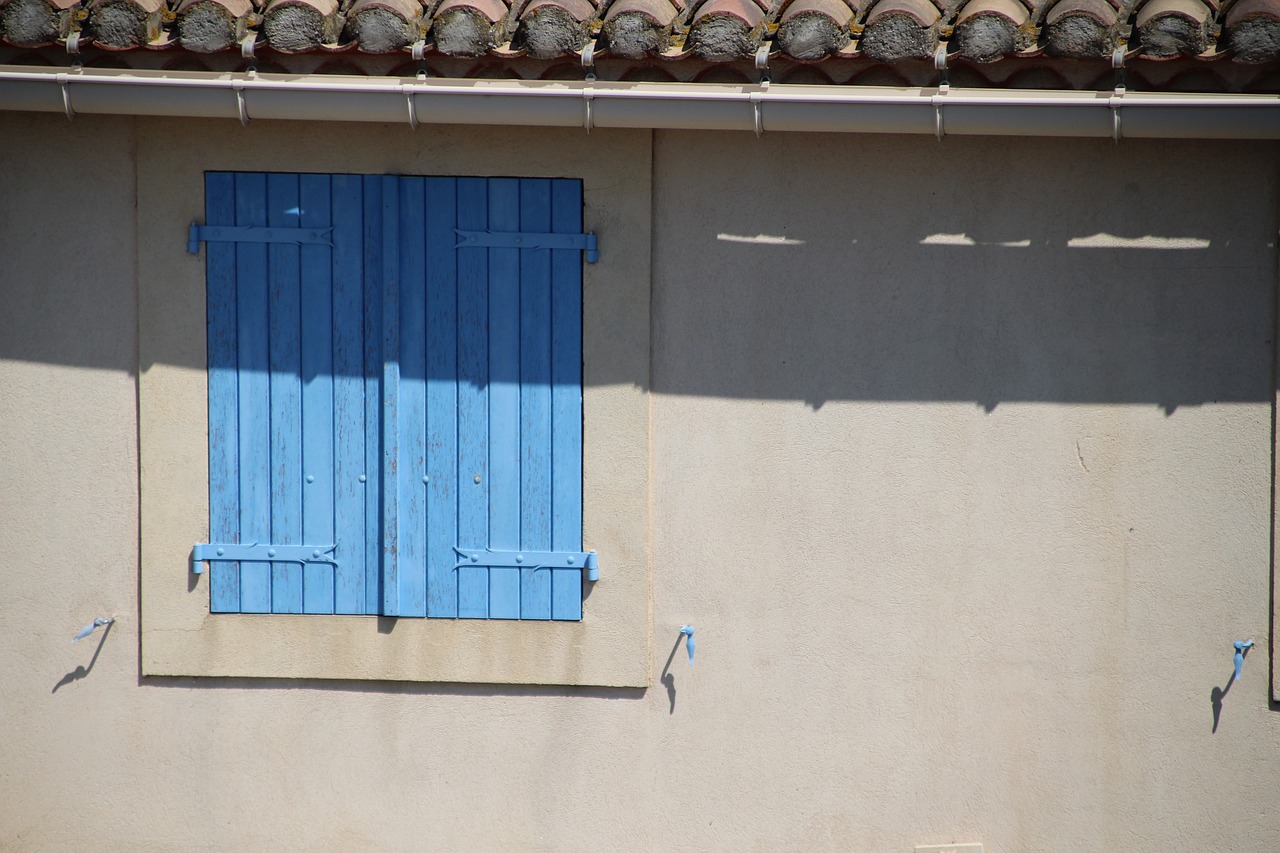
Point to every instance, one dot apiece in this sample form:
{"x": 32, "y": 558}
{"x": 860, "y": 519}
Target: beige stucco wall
{"x": 960, "y": 465}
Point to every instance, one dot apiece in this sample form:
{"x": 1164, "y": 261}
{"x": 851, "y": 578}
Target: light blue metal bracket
{"x": 530, "y": 240}
{"x": 304, "y": 554}
{"x": 197, "y": 234}
{"x": 687, "y": 630}
{"x": 530, "y": 560}
{"x": 1241, "y": 646}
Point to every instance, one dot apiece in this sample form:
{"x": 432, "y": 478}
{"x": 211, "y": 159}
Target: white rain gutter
{"x": 683, "y": 106}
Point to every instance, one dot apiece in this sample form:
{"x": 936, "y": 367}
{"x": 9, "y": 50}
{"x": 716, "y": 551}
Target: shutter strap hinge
{"x": 530, "y": 240}
{"x": 530, "y": 560}
{"x": 198, "y": 234}
{"x": 231, "y": 553}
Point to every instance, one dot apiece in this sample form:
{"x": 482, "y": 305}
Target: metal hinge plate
{"x": 232, "y": 553}
{"x": 530, "y": 240}
{"x": 197, "y": 234}
{"x": 530, "y": 560}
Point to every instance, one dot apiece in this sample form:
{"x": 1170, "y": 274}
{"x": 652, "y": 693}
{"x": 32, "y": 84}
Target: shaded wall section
{"x": 966, "y": 514}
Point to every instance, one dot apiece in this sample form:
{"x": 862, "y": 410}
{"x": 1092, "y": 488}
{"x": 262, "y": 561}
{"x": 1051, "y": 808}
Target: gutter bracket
{"x": 1117, "y": 62}
{"x": 241, "y": 107}
{"x": 413, "y": 107}
{"x": 588, "y": 95}
{"x": 65, "y": 84}
{"x": 944, "y": 87}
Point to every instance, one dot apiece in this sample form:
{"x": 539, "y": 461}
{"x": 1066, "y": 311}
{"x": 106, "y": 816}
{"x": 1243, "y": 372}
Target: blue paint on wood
{"x": 390, "y": 392}
{"x": 373, "y": 253}
{"x": 224, "y": 419}
{"x": 566, "y": 399}
{"x": 318, "y": 425}
{"x": 442, "y": 396}
{"x": 504, "y": 398}
{"x": 350, "y": 487}
{"x": 473, "y": 398}
{"x": 412, "y": 466}
{"x": 396, "y": 396}
{"x": 253, "y": 310}
{"x": 285, "y": 363}
{"x": 535, "y": 399}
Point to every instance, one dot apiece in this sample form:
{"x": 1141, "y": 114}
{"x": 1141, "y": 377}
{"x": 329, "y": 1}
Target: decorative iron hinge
{"x": 231, "y": 553}
{"x": 530, "y": 240}
{"x": 530, "y": 560}
{"x": 197, "y": 234}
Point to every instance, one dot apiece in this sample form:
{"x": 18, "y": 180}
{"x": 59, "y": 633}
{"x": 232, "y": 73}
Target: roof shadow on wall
{"x": 976, "y": 270}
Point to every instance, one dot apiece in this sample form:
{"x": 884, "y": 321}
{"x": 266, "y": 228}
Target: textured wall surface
{"x": 961, "y": 461}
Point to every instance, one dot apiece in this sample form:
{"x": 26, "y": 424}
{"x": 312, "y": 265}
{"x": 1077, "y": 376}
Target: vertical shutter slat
{"x": 285, "y": 361}
{"x": 535, "y": 399}
{"x": 351, "y": 518}
{"x": 317, "y": 329}
{"x": 442, "y": 396}
{"x": 224, "y": 419}
{"x": 566, "y": 399}
{"x": 473, "y": 397}
{"x": 413, "y": 399}
{"x": 373, "y": 242}
{"x": 253, "y": 310}
{"x": 390, "y": 396}
{"x": 504, "y": 398}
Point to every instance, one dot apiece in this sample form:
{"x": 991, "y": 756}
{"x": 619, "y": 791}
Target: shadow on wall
{"x": 897, "y": 269}
{"x": 405, "y": 688}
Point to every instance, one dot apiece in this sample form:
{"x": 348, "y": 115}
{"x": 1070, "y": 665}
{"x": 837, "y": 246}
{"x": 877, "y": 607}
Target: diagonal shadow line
{"x": 668, "y": 680}
{"x": 81, "y": 671}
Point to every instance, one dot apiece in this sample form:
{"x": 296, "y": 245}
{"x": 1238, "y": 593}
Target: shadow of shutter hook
{"x": 687, "y": 630}
{"x": 1241, "y": 647}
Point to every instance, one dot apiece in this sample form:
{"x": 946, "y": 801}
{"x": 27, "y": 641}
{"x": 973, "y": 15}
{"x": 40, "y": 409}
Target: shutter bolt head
{"x": 477, "y": 478}
{"x": 221, "y": 551}
{"x": 570, "y": 559}
{"x": 311, "y": 478}
{"x": 475, "y": 558}
{"x": 315, "y": 555}
{"x": 426, "y": 479}
{"x": 362, "y": 478}
{"x": 519, "y": 558}
{"x": 271, "y": 552}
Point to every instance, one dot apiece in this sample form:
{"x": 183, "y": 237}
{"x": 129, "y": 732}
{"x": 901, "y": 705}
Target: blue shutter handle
{"x": 91, "y": 627}
{"x": 1241, "y": 647}
{"x": 687, "y": 630}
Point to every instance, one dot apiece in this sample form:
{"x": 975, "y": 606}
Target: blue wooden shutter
{"x": 288, "y": 395}
{"x": 407, "y": 408}
{"x": 486, "y": 416}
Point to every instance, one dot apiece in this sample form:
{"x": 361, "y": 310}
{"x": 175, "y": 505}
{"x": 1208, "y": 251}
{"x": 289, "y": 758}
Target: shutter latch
{"x": 530, "y": 560}
{"x": 230, "y": 553}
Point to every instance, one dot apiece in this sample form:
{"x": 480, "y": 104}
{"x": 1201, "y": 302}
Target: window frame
{"x": 611, "y": 645}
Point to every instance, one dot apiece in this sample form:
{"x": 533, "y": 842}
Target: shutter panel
{"x": 287, "y": 422}
{"x": 395, "y": 419}
{"x": 488, "y": 406}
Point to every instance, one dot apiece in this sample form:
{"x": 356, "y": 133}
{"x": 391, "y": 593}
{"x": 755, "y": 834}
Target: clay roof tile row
{"x": 889, "y": 31}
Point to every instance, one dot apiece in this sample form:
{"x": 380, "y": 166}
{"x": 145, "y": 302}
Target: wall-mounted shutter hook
{"x": 687, "y": 630}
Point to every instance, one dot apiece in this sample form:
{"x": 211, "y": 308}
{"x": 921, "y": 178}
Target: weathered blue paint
{"x": 504, "y": 398}
{"x": 443, "y": 380}
{"x": 224, "y": 418}
{"x": 413, "y": 399}
{"x": 406, "y": 408}
{"x": 253, "y": 311}
{"x": 318, "y": 424}
{"x": 351, "y": 490}
{"x": 285, "y": 365}
{"x": 566, "y": 400}
{"x": 473, "y": 396}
